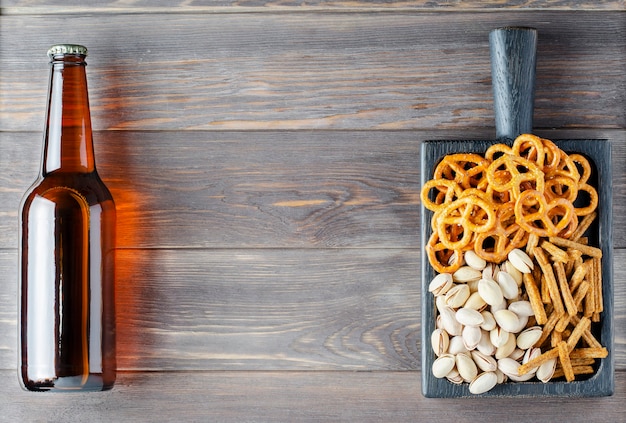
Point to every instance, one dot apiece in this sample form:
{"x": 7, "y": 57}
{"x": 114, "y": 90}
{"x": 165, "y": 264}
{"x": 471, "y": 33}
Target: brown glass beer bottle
{"x": 67, "y": 241}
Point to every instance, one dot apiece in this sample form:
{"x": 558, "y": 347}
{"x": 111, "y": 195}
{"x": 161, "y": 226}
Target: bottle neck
{"x": 68, "y": 144}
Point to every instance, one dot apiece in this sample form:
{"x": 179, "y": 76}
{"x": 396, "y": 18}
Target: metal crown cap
{"x": 76, "y": 49}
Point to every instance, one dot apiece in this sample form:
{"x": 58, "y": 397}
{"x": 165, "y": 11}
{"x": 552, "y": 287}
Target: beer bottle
{"x": 67, "y": 241}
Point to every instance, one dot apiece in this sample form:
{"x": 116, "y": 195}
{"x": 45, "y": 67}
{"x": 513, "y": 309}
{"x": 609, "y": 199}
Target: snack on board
{"x": 518, "y": 286}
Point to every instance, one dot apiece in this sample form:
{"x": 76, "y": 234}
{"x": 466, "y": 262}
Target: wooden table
{"x": 264, "y": 157}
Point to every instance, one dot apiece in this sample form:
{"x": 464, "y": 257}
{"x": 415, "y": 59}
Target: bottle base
{"x": 94, "y": 383}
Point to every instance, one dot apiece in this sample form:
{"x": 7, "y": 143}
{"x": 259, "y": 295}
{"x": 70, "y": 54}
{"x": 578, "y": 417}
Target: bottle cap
{"x": 75, "y": 49}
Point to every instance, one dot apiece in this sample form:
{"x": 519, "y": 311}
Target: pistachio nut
{"x": 491, "y": 271}
{"x": 506, "y": 349}
{"x": 440, "y": 284}
{"x": 489, "y": 322}
{"x": 520, "y": 260}
{"x": 474, "y": 261}
{"x": 471, "y": 337}
{"x": 454, "y": 377}
{"x": 484, "y": 362}
{"x": 466, "y": 367}
{"x": 456, "y": 345}
{"x": 440, "y": 340}
{"x": 528, "y": 337}
{"x": 507, "y": 320}
{"x": 517, "y": 354}
{"x": 508, "y": 286}
{"x": 476, "y": 302}
{"x": 546, "y": 370}
{"x": 483, "y": 382}
{"x": 522, "y": 308}
{"x": 443, "y": 365}
{"x": 484, "y": 345}
{"x": 490, "y": 291}
{"x": 466, "y": 274}
{"x": 469, "y": 317}
{"x": 508, "y": 366}
{"x": 499, "y": 336}
{"x": 511, "y": 270}
{"x": 457, "y": 295}
{"x": 448, "y": 319}
{"x": 523, "y": 322}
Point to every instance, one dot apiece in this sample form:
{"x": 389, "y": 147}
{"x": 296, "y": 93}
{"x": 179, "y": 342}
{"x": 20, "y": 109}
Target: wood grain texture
{"x": 314, "y": 71}
{"x": 265, "y": 159}
{"x": 268, "y": 309}
{"x": 300, "y": 189}
{"x": 292, "y": 396}
{"x": 149, "y": 6}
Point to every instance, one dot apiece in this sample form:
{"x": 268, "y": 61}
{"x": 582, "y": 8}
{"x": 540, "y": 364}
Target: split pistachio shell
{"x": 482, "y": 383}
{"x": 528, "y": 337}
{"x": 466, "y": 274}
{"x": 499, "y": 337}
{"x": 531, "y": 354}
{"x": 448, "y": 319}
{"x": 474, "y": 261}
{"x": 507, "y": 320}
{"x": 491, "y": 271}
{"x": 454, "y": 377}
{"x": 520, "y": 260}
{"x": 484, "y": 362}
{"x": 443, "y": 365}
{"x": 501, "y": 376}
{"x": 440, "y": 341}
{"x": 466, "y": 367}
{"x": 490, "y": 291}
{"x": 469, "y": 317}
{"x": 457, "y": 295}
{"x": 440, "y": 284}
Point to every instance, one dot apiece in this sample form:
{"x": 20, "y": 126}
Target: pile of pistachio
{"x": 485, "y": 328}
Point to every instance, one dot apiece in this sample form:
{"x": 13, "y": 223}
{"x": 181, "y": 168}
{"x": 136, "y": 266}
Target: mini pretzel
{"x": 561, "y": 187}
{"x": 497, "y": 150}
{"x": 584, "y": 165}
{"x": 440, "y": 256}
{"x": 510, "y": 173}
{"x": 593, "y": 200}
{"x": 505, "y": 236}
{"x": 446, "y": 191}
{"x": 536, "y": 215}
{"x": 530, "y": 147}
{"x": 467, "y": 169}
{"x": 470, "y": 212}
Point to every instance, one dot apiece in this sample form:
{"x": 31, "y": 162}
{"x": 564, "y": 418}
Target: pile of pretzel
{"x": 492, "y": 204}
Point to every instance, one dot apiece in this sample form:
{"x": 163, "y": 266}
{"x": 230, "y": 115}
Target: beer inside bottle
{"x": 67, "y": 241}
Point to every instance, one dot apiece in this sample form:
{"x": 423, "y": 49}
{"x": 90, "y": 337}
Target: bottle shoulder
{"x": 88, "y": 185}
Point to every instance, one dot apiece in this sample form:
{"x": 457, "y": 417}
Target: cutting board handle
{"x": 513, "y": 56}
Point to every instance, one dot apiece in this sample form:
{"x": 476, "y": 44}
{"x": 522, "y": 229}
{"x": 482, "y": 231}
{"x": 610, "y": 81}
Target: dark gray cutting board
{"x": 513, "y": 52}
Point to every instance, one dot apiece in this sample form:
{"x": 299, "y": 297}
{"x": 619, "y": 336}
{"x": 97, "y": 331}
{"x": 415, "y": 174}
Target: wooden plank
{"x": 268, "y": 309}
{"x": 263, "y": 189}
{"x": 214, "y": 6}
{"x": 292, "y": 396}
{"x": 314, "y": 71}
